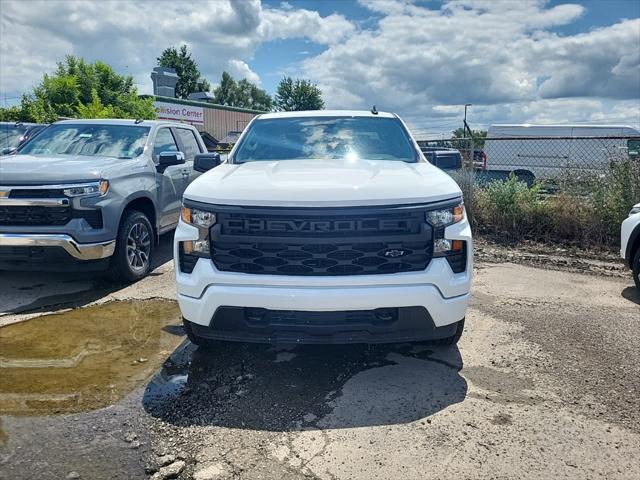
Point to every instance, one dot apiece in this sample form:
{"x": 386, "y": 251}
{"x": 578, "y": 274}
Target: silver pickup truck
{"x": 94, "y": 195}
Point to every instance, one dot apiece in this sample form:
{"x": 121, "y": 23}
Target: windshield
{"x": 118, "y": 141}
{"x": 326, "y": 138}
{"x": 11, "y": 135}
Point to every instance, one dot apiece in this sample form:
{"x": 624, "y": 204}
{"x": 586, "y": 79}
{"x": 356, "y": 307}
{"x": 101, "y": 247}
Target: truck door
{"x": 190, "y": 146}
{"x": 170, "y": 181}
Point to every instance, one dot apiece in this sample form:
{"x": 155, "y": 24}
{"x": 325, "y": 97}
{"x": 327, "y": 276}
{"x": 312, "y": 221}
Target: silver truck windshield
{"x": 118, "y": 141}
{"x": 11, "y": 136}
{"x": 326, "y": 138}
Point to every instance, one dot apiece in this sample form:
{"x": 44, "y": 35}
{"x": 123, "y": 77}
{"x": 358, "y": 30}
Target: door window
{"x": 164, "y": 142}
{"x": 189, "y": 143}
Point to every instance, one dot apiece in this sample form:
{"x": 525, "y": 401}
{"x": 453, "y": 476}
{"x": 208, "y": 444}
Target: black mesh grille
{"x": 322, "y": 243}
{"x": 291, "y": 318}
{"x": 20, "y": 215}
{"x": 36, "y": 193}
{"x": 47, "y": 216}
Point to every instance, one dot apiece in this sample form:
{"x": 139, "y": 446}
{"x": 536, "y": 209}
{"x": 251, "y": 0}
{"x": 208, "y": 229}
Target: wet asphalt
{"x": 544, "y": 383}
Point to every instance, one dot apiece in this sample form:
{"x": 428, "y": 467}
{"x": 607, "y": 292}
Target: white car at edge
{"x": 630, "y": 242}
{"x": 323, "y": 227}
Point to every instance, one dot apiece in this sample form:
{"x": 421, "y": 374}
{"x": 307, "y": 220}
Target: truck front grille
{"x": 322, "y": 242}
{"x": 21, "y": 215}
{"x": 26, "y": 192}
{"x": 46, "y": 216}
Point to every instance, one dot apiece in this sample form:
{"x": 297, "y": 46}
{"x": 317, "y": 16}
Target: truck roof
{"x": 121, "y": 121}
{"x": 326, "y": 113}
{"x": 530, "y": 125}
{"x": 528, "y": 130}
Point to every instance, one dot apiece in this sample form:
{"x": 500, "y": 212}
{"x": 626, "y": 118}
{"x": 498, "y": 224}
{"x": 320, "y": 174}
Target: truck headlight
{"x": 86, "y": 189}
{"x": 635, "y": 209}
{"x": 198, "y": 218}
{"x": 203, "y": 220}
{"x": 446, "y": 216}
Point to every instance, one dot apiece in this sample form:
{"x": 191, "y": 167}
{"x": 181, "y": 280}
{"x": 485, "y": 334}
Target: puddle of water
{"x": 86, "y": 358}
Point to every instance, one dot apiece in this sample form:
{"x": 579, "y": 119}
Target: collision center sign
{"x": 182, "y": 113}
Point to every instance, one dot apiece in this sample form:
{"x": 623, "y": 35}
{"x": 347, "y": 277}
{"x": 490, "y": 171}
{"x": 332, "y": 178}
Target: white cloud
{"x": 239, "y": 70}
{"x": 424, "y": 60}
{"x": 420, "y": 59}
{"x": 130, "y": 35}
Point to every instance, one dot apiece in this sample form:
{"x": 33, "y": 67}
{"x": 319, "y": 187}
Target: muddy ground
{"x": 544, "y": 383}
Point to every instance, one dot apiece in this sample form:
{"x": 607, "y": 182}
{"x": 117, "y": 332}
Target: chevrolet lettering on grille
{"x": 263, "y": 226}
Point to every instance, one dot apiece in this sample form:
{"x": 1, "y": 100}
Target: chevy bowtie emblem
{"x": 394, "y": 253}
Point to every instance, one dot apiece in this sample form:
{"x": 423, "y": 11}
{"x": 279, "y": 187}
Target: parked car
{"x": 531, "y": 154}
{"x": 323, "y": 227}
{"x": 443, "y": 158}
{"x": 630, "y": 245}
{"x": 15, "y": 134}
{"x": 94, "y": 194}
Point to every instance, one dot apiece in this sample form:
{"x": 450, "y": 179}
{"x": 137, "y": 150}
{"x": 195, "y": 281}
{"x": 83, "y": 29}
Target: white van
{"x": 530, "y": 151}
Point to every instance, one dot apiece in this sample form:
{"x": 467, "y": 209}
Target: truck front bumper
{"x": 409, "y": 306}
{"x": 49, "y": 251}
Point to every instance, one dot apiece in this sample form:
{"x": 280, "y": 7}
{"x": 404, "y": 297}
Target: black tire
{"x": 135, "y": 243}
{"x": 636, "y": 268}
{"x": 525, "y": 176}
{"x": 205, "y": 343}
{"x": 453, "y": 339}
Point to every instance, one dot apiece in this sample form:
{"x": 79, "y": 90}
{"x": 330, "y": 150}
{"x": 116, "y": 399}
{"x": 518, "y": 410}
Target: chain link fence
{"x": 571, "y": 190}
{"x": 547, "y": 159}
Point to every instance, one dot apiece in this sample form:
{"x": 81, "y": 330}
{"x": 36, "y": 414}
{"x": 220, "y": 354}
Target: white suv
{"x": 323, "y": 227}
{"x": 630, "y": 245}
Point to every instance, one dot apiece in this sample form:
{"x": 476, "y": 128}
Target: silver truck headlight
{"x": 446, "y": 216}
{"x": 86, "y": 189}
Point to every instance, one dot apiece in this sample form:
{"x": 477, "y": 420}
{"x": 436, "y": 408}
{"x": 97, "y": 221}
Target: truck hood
{"x": 41, "y": 169}
{"x": 323, "y": 183}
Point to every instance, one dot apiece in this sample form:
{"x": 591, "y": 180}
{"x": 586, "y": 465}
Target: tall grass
{"x": 585, "y": 213}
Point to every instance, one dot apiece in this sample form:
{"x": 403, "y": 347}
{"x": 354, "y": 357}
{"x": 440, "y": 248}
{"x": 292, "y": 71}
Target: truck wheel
{"x": 526, "y": 177}
{"x": 134, "y": 247}
{"x": 453, "y": 339}
{"x": 201, "y": 342}
{"x": 636, "y": 268}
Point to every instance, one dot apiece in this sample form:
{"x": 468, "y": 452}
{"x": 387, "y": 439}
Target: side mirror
{"x": 9, "y": 151}
{"x": 166, "y": 159}
{"x": 203, "y": 162}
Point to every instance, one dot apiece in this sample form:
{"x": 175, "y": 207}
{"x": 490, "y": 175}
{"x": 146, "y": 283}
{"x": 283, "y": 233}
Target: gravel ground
{"x": 544, "y": 384}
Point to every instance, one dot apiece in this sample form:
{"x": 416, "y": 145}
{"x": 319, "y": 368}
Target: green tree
{"x": 477, "y": 135}
{"x": 186, "y": 69}
{"x": 242, "y": 94}
{"x": 298, "y": 95}
{"x": 86, "y": 90}
{"x": 225, "y": 93}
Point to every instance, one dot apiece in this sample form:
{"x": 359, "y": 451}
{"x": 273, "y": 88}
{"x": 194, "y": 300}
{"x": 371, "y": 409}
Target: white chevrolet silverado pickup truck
{"x": 323, "y": 227}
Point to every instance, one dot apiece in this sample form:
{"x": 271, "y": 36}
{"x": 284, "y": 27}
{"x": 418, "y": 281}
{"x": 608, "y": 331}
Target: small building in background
{"x": 215, "y": 122}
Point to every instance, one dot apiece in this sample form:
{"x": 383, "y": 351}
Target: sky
{"x": 514, "y": 61}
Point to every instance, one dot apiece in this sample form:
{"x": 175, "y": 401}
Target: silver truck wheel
{"x": 139, "y": 246}
{"x": 134, "y": 247}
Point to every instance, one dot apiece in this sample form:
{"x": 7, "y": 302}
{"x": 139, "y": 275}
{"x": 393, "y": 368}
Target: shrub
{"x": 585, "y": 212}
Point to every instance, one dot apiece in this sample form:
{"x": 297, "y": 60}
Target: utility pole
{"x": 465, "y": 127}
